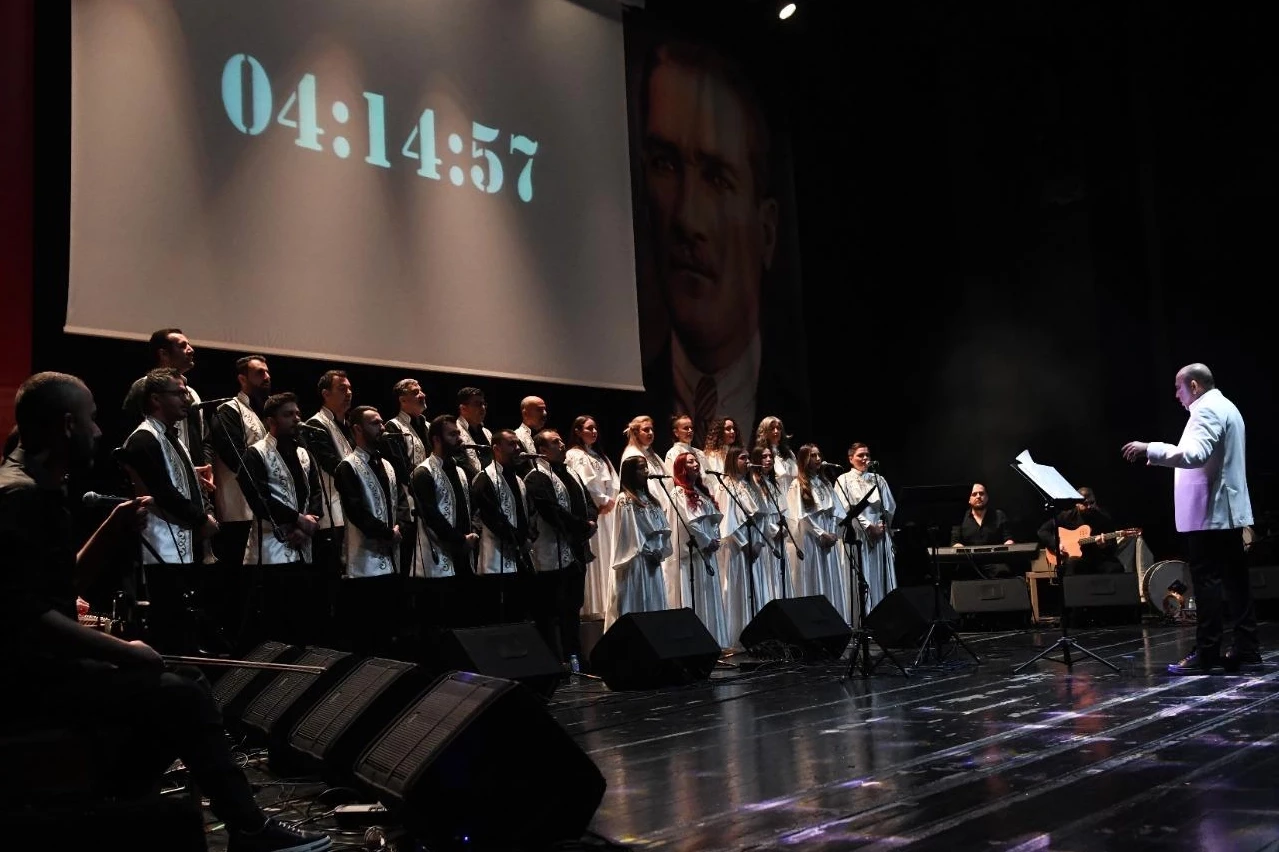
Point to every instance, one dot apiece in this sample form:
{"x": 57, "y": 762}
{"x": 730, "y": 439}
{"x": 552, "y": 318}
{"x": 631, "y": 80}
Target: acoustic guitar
{"x": 1073, "y": 541}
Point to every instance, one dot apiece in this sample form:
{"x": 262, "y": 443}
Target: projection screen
{"x": 430, "y": 184}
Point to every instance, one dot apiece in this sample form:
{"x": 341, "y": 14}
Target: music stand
{"x": 925, "y": 506}
{"x": 1057, "y": 494}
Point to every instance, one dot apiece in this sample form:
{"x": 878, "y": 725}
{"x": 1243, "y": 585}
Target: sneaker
{"x": 278, "y": 836}
{"x": 1235, "y": 661}
{"x": 1196, "y": 662}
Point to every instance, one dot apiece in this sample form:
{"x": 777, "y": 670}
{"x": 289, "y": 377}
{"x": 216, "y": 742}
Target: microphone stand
{"x": 781, "y": 516}
{"x": 859, "y": 661}
{"x": 692, "y": 546}
{"x": 750, "y": 540}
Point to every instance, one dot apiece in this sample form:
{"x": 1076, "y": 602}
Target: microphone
{"x": 93, "y": 498}
{"x": 873, "y": 467}
{"x": 658, "y": 476}
{"x": 531, "y": 456}
{"x": 476, "y": 447}
{"x": 831, "y": 466}
{"x": 756, "y": 467}
{"x": 718, "y": 474}
{"x": 212, "y": 403}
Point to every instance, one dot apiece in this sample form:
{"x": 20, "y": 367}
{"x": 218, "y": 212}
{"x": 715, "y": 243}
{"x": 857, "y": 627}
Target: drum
{"x": 1167, "y": 589}
{"x": 1134, "y": 554}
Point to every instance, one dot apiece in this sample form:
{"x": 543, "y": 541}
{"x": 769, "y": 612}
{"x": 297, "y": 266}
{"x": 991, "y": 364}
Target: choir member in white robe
{"x": 772, "y": 434}
{"x": 682, "y": 442}
{"x": 603, "y": 486}
{"x": 824, "y": 569}
{"x": 642, "y": 540}
{"x": 696, "y": 542}
{"x": 772, "y": 500}
{"x": 722, "y": 435}
{"x": 640, "y": 434}
{"x": 743, "y": 576}
{"x": 874, "y": 544}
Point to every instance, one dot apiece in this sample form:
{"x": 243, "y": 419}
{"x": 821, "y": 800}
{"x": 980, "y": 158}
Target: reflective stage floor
{"x": 957, "y": 756}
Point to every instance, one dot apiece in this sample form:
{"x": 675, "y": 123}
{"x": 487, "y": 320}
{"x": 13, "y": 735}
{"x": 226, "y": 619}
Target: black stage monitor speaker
{"x": 479, "y": 762}
{"x": 358, "y": 706}
{"x": 237, "y": 687}
{"x": 810, "y": 624}
{"x": 648, "y": 650}
{"x": 273, "y": 712}
{"x": 512, "y": 651}
{"x": 902, "y": 618}
{"x": 994, "y": 603}
{"x": 1101, "y": 599}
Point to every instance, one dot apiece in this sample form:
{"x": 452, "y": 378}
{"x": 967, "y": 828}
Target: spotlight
{"x": 786, "y": 11}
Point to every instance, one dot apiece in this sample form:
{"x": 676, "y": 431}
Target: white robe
{"x": 702, "y": 590}
{"x": 823, "y": 571}
{"x": 675, "y": 595}
{"x": 643, "y": 538}
{"x": 878, "y": 563}
{"x": 677, "y": 449}
{"x": 740, "y": 575}
{"x": 602, "y": 485}
{"x": 776, "y": 560}
{"x": 786, "y": 471}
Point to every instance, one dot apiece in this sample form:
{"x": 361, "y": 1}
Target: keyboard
{"x": 983, "y": 553}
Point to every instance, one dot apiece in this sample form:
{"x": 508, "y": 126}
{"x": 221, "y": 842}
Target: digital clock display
{"x": 250, "y": 105}
{"x": 433, "y": 184}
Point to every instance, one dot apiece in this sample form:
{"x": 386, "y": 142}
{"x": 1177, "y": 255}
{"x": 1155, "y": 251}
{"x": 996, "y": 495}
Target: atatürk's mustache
{"x": 686, "y": 260}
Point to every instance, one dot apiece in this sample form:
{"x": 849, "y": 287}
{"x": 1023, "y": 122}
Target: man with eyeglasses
{"x": 1085, "y": 519}
{"x": 983, "y": 525}
{"x": 180, "y": 519}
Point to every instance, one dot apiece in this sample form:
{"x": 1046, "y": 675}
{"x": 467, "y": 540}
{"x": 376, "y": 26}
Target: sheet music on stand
{"x": 1046, "y": 478}
{"x": 1056, "y": 491}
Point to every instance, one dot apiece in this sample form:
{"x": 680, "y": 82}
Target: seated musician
{"x": 1084, "y": 519}
{"x": 983, "y": 525}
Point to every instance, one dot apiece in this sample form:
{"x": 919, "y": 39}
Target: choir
{"x": 521, "y": 524}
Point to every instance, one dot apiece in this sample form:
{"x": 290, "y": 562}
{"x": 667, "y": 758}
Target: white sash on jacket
{"x": 229, "y": 499}
{"x": 173, "y": 542}
{"x": 263, "y": 548}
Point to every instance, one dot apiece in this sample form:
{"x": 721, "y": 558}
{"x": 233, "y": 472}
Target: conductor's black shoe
{"x": 1235, "y": 661}
{"x": 1197, "y": 661}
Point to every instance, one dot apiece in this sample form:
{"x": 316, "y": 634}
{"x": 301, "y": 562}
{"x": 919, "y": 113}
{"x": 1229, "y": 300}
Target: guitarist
{"x": 1094, "y": 558}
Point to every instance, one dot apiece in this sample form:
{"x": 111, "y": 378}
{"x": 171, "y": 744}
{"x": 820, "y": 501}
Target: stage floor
{"x": 958, "y": 756}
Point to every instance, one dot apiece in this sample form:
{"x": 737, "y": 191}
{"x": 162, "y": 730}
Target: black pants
{"x": 327, "y": 556}
{"x": 286, "y": 603}
{"x": 166, "y": 714}
{"x": 227, "y": 594}
{"x": 572, "y": 596}
{"x": 370, "y": 612}
{"x": 1223, "y": 590}
{"x": 546, "y": 605}
{"x": 182, "y": 615}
